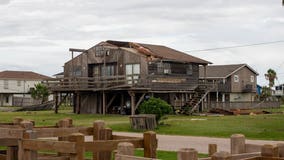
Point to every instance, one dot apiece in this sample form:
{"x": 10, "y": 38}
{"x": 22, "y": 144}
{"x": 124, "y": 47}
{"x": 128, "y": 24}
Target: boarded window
{"x": 6, "y": 84}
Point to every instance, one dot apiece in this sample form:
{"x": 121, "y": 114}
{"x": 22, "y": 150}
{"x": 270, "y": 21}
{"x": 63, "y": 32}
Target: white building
{"x": 15, "y": 87}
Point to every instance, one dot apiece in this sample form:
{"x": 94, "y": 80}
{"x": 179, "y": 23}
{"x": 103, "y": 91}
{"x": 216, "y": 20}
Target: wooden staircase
{"x": 195, "y": 102}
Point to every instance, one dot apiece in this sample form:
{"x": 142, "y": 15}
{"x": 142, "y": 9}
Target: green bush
{"x": 155, "y": 106}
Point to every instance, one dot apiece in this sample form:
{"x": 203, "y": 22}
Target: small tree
{"x": 155, "y": 106}
{"x": 271, "y": 76}
{"x": 40, "y": 92}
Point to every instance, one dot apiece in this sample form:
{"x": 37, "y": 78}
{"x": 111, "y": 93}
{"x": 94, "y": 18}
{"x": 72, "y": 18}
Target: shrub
{"x": 155, "y": 106}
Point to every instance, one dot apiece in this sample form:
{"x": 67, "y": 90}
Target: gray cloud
{"x": 4, "y": 2}
{"x": 43, "y": 30}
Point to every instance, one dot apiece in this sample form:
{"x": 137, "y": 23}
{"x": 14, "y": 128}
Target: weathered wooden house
{"x": 233, "y": 83}
{"x": 114, "y": 74}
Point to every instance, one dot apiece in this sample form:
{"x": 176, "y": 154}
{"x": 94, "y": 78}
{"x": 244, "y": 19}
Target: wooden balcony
{"x": 151, "y": 82}
{"x": 87, "y": 83}
{"x": 247, "y": 88}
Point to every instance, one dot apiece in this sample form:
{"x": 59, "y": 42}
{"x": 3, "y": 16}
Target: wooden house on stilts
{"x": 113, "y": 75}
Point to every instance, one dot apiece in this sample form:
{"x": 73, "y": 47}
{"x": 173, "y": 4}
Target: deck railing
{"x": 116, "y": 82}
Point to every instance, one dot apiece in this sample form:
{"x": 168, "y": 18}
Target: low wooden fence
{"x": 24, "y": 141}
{"x": 243, "y": 105}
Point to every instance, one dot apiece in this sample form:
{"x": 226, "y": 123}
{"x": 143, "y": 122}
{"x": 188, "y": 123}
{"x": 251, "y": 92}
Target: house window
{"x": 251, "y": 79}
{"x": 100, "y": 51}
{"x": 19, "y": 83}
{"x": 189, "y": 69}
{"x": 108, "y": 70}
{"x": 236, "y": 78}
{"x": 132, "y": 72}
{"x": 164, "y": 68}
{"x": 6, "y": 84}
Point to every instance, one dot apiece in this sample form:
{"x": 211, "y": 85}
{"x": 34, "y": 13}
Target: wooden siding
{"x": 244, "y": 84}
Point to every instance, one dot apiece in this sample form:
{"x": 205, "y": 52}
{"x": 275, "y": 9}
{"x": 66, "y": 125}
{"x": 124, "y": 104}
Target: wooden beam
{"x": 140, "y": 100}
{"x": 77, "y": 50}
{"x": 110, "y": 145}
{"x": 63, "y": 147}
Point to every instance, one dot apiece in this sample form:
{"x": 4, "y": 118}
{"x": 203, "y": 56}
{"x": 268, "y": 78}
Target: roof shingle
{"x": 22, "y": 75}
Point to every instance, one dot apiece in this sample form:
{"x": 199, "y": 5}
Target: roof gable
{"x": 22, "y": 75}
{"x": 222, "y": 71}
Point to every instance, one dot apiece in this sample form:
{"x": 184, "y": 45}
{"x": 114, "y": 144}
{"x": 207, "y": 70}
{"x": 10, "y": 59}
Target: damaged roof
{"x": 160, "y": 51}
{"x": 222, "y": 71}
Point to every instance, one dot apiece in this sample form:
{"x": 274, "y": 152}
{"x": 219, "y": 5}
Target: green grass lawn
{"x": 269, "y": 127}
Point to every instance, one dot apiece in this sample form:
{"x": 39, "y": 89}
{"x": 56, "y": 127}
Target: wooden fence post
{"x": 238, "y": 144}
{"x": 150, "y": 144}
{"x": 98, "y": 126}
{"x": 221, "y": 156}
{"x": 281, "y": 150}
{"x": 64, "y": 123}
{"x": 12, "y": 153}
{"x": 125, "y": 148}
{"x": 105, "y": 134}
{"x": 187, "y": 154}
{"x": 17, "y": 120}
{"x": 28, "y": 134}
{"x": 212, "y": 148}
{"x": 79, "y": 139}
{"x": 269, "y": 151}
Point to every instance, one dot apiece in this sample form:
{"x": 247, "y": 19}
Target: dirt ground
{"x": 174, "y": 143}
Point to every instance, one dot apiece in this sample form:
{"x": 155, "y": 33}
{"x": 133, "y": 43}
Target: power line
{"x": 237, "y": 46}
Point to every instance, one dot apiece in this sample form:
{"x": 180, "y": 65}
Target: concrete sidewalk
{"x": 174, "y": 143}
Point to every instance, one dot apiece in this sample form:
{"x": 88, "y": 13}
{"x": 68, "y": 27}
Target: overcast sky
{"x": 36, "y": 34}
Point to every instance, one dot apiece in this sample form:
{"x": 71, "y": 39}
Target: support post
{"x": 64, "y": 123}
{"x": 150, "y": 144}
{"x": 56, "y": 103}
{"x": 79, "y": 139}
{"x": 187, "y": 154}
{"x": 132, "y": 95}
{"x": 104, "y": 103}
{"x": 1, "y": 100}
{"x": 238, "y": 144}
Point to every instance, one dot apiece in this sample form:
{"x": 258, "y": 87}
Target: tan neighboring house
{"x": 15, "y": 87}
{"x": 233, "y": 83}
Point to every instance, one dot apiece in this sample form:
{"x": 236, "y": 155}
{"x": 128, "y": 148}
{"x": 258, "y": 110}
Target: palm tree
{"x": 271, "y": 76}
